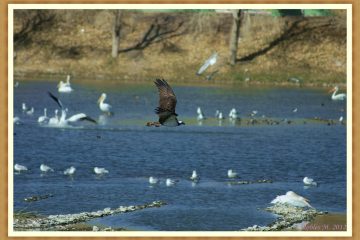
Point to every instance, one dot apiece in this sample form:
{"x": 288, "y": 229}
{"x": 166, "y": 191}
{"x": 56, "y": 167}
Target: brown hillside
{"x": 271, "y": 49}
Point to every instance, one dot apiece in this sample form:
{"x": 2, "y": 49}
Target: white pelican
{"x": 63, "y": 122}
{"x": 210, "y": 61}
{"x": 19, "y": 168}
{"x": 45, "y": 168}
{"x": 337, "y": 97}
{"x": 104, "y": 107}
{"x": 153, "y": 180}
{"x": 169, "y": 182}
{"x": 16, "y": 120}
{"x": 100, "y": 171}
{"x": 44, "y": 118}
{"x": 232, "y": 174}
{"x": 293, "y": 199}
{"x": 309, "y": 181}
{"x": 54, "y": 120}
{"x": 65, "y": 87}
{"x": 194, "y": 177}
{"x": 70, "y": 171}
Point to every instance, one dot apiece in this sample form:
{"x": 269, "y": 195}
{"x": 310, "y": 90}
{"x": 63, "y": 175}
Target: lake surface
{"x": 132, "y": 152}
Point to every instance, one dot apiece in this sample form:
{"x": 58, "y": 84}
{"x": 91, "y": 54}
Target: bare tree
{"x": 116, "y": 34}
{"x": 234, "y": 34}
{"x": 160, "y": 30}
{"x": 31, "y": 21}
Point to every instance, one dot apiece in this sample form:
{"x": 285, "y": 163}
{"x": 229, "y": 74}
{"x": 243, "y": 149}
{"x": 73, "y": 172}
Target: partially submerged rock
{"x": 250, "y": 182}
{"x": 37, "y": 198}
{"x": 288, "y": 217}
{"x": 59, "y": 222}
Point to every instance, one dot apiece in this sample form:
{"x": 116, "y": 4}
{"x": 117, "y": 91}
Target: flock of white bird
{"x": 69, "y": 171}
{"x": 62, "y": 120}
{"x": 290, "y": 198}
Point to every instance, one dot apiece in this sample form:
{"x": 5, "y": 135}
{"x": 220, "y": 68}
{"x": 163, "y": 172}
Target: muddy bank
{"x": 67, "y": 222}
{"x": 272, "y": 50}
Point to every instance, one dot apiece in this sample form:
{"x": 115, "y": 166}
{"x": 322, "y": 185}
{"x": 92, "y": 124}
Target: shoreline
{"x": 111, "y": 80}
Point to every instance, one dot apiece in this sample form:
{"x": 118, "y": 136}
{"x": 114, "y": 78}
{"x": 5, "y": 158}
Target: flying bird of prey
{"x": 211, "y": 61}
{"x": 167, "y": 104}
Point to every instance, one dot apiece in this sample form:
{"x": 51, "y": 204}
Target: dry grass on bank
{"x": 79, "y": 42}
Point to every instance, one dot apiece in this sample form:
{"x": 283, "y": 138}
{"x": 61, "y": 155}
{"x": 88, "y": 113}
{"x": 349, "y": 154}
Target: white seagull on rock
{"x": 232, "y": 174}
{"x": 153, "y": 180}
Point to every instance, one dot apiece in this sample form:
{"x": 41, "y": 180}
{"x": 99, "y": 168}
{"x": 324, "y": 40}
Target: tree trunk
{"x": 234, "y": 35}
{"x": 116, "y": 34}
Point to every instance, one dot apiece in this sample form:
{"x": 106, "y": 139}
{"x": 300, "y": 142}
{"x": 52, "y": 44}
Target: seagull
{"x": 337, "y": 97}
{"x": 293, "y": 199}
{"x": 153, "y": 180}
{"x": 16, "y": 120}
{"x": 194, "y": 177}
{"x": 169, "y": 182}
{"x": 309, "y": 181}
{"x": 167, "y": 104}
{"x": 104, "y": 107}
{"x": 295, "y": 110}
{"x": 254, "y": 112}
{"x": 44, "y": 118}
{"x": 19, "y": 168}
{"x": 220, "y": 116}
{"x": 232, "y": 174}
{"x": 233, "y": 114}
{"x": 100, "y": 171}
{"x": 45, "y": 168}
{"x": 24, "y": 108}
{"x": 63, "y": 122}
{"x": 217, "y": 113}
{"x": 65, "y": 87}
{"x": 30, "y": 111}
{"x": 16, "y": 84}
{"x": 210, "y": 61}
{"x": 70, "y": 171}
{"x": 200, "y": 115}
{"x": 341, "y": 120}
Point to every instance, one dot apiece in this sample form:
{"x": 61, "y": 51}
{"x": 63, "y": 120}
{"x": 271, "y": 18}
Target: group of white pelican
{"x": 62, "y": 120}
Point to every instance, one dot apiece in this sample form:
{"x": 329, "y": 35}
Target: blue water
{"x": 132, "y": 152}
